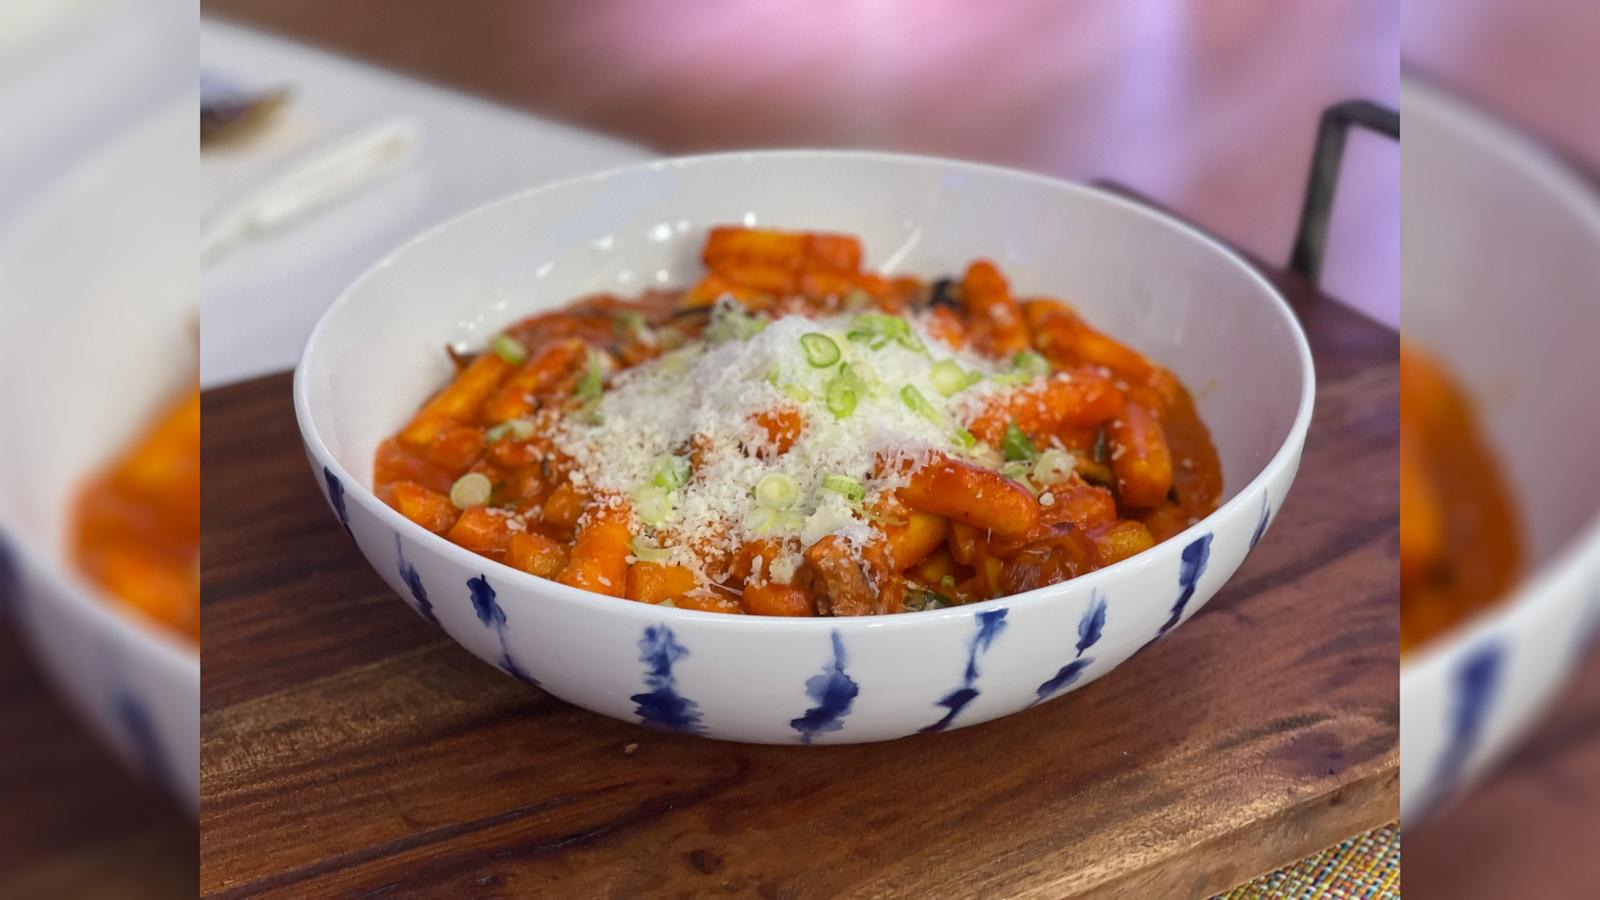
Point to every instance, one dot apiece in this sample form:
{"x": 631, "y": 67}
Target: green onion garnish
{"x": 1018, "y": 472}
{"x": 730, "y": 322}
{"x": 796, "y": 393}
{"x": 964, "y": 439}
{"x": 652, "y": 504}
{"x": 1016, "y": 446}
{"x": 948, "y": 582}
{"x": 634, "y": 325}
{"x": 518, "y": 429}
{"x": 876, "y": 330}
{"x": 672, "y": 472}
{"x": 1030, "y": 364}
{"x": 592, "y": 383}
{"x": 919, "y": 404}
{"x": 844, "y": 484}
{"x": 840, "y": 397}
{"x": 471, "y": 489}
{"x": 821, "y": 351}
{"x": 647, "y": 552}
{"x": 777, "y": 491}
{"x": 509, "y": 349}
{"x": 950, "y": 379}
{"x": 1052, "y": 466}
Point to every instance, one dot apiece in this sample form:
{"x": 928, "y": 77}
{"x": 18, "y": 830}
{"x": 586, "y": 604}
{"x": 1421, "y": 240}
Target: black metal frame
{"x": 1311, "y": 236}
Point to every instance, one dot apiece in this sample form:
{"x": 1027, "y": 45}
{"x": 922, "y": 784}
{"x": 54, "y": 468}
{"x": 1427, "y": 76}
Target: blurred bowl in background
{"x": 1500, "y": 279}
{"x": 97, "y": 335}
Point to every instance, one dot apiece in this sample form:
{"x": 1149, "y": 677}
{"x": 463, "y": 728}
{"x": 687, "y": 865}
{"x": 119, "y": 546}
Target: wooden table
{"x": 348, "y": 748}
{"x": 75, "y": 823}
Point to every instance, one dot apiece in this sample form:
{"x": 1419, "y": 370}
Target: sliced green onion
{"x": 644, "y": 551}
{"x": 950, "y": 379}
{"x": 861, "y": 376}
{"x": 796, "y": 393}
{"x": 761, "y": 519}
{"x": 471, "y": 489}
{"x": 518, "y": 429}
{"x": 509, "y": 349}
{"x": 1018, "y": 472}
{"x": 592, "y": 384}
{"x": 844, "y": 484}
{"x": 730, "y": 322}
{"x": 947, "y": 582}
{"x": 675, "y": 363}
{"x": 1030, "y": 364}
{"x": 821, "y": 351}
{"x": 840, "y": 397}
{"x": 672, "y": 472}
{"x": 876, "y": 330}
{"x": 919, "y": 404}
{"x": 634, "y": 325}
{"x": 771, "y": 375}
{"x": 777, "y": 491}
{"x": 652, "y": 504}
{"x": 1052, "y": 466}
{"x": 1025, "y": 367}
{"x": 1016, "y": 445}
{"x": 964, "y": 439}
{"x": 669, "y": 338}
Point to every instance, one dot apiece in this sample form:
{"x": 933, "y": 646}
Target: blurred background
{"x": 1529, "y": 829}
{"x": 88, "y": 345}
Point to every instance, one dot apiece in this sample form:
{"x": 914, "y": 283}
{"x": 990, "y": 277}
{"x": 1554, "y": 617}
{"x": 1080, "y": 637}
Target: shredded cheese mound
{"x": 703, "y": 401}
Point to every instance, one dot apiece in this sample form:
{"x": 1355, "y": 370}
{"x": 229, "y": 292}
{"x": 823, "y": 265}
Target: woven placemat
{"x": 1366, "y": 867}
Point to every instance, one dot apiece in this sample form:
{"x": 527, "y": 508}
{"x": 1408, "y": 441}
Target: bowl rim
{"x": 1581, "y": 549}
{"x": 53, "y": 572}
{"x": 1281, "y": 458}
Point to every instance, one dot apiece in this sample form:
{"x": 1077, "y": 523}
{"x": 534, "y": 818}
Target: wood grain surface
{"x": 348, "y": 749}
{"x": 73, "y": 821}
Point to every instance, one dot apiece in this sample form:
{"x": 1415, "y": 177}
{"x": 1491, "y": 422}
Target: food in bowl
{"x": 794, "y": 436}
{"x": 1459, "y": 545}
{"x": 136, "y": 531}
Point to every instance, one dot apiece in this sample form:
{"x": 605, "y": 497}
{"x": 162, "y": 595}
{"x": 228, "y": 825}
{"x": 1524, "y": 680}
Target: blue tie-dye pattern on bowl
{"x": 413, "y": 581}
{"x": 834, "y": 691}
{"x": 1475, "y": 685}
{"x": 140, "y": 731}
{"x": 1090, "y": 628}
{"x": 336, "y": 498}
{"x": 493, "y": 616}
{"x": 990, "y": 623}
{"x": 1195, "y": 557}
{"x": 663, "y": 706}
{"x": 1263, "y": 522}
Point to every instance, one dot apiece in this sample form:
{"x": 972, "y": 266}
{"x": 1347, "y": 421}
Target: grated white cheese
{"x": 708, "y": 396}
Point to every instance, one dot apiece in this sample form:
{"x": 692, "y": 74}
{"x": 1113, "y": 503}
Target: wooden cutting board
{"x": 347, "y": 748}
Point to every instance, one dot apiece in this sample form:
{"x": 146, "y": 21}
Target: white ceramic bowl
{"x": 1145, "y": 278}
{"x": 1500, "y": 263}
{"x": 97, "y": 291}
